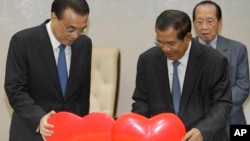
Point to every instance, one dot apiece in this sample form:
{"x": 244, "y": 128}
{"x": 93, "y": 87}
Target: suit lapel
{"x": 194, "y": 62}
{"x": 47, "y": 56}
{"x": 221, "y": 45}
{"x": 162, "y": 75}
{"x": 73, "y": 67}
{"x": 75, "y": 64}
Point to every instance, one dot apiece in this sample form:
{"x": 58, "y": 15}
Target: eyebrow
{"x": 73, "y": 27}
{"x": 168, "y": 42}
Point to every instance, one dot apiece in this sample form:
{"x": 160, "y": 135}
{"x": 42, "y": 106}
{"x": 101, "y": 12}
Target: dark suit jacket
{"x": 32, "y": 84}
{"x": 237, "y": 57}
{"x": 206, "y": 96}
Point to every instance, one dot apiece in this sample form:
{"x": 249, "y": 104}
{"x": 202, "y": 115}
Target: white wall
{"x": 126, "y": 24}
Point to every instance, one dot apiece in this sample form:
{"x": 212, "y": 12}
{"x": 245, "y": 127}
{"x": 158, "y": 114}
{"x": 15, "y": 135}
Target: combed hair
{"x": 206, "y": 2}
{"x": 81, "y": 7}
{"x": 176, "y": 19}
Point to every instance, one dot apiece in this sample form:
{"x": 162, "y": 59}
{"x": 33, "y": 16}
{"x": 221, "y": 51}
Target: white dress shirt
{"x": 55, "y": 45}
{"x": 181, "y": 68}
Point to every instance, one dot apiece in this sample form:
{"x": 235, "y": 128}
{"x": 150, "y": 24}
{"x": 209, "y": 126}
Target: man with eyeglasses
{"x": 207, "y": 19}
{"x": 33, "y": 82}
{"x": 197, "y": 89}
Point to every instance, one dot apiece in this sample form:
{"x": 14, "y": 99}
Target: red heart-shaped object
{"x": 134, "y": 127}
{"x": 70, "y": 127}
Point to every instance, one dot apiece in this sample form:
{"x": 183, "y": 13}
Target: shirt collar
{"x": 184, "y": 59}
{"x": 53, "y": 39}
{"x": 213, "y": 43}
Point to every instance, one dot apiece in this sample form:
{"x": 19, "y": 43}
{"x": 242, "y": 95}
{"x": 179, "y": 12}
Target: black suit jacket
{"x": 206, "y": 94}
{"x": 32, "y": 84}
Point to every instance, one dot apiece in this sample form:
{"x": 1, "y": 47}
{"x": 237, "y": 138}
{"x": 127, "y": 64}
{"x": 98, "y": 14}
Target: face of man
{"x": 206, "y": 24}
{"x": 69, "y": 27}
{"x": 172, "y": 47}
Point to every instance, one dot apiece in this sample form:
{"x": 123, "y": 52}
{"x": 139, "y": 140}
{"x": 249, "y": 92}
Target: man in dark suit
{"x": 203, "y": 74}
{"x": 32, "y": 83}
{"x": 207, "y": 19}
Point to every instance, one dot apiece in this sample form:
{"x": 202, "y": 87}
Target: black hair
{"x": 218, "y": 9}
{"x": 81, "y": 7}
{"x": 176, "y": 19}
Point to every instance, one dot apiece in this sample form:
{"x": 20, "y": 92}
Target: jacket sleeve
{"x": 220, "y": 96}
{"x": 16, "y": 84}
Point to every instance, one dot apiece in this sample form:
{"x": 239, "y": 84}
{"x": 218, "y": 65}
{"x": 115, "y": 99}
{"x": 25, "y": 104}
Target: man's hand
{"x": 193, "y": 135}
{"x": 45, "y": 127}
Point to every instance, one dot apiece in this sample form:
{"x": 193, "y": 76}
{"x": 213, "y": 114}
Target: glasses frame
{"x": 161, "y": 45}
{"x": 72, "y": 31}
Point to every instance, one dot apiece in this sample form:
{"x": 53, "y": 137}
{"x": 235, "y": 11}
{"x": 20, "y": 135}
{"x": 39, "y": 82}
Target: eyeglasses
{"x": 168, "y": 45}
{"x": 72, "y": 30}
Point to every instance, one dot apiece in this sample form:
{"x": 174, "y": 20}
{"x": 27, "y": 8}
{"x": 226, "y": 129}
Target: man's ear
{"x": 220, "y": 26}
{"x": 53, "y": 16}
{"x": 188, "y": 37}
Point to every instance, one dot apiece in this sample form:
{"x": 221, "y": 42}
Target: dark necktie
{"x": 62, "y": 69}
{"x": 208, "y": 45}
{"x": 176, "y": 91}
